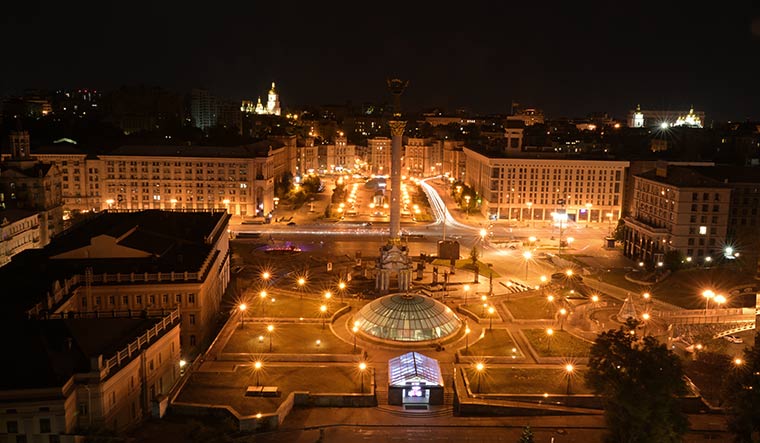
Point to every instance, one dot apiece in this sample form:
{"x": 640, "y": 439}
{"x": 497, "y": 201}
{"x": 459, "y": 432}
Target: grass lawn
{"x": 530, "y": 308}
{"x": 465, "y": 264}
{"x": 228, "y": 388}
{"x": 527, "y": 381}
{"x": 561, "y": 344}
{"x": 684, "y": 288}
{"x": 298, "y": 338}
{"x": 496, "y": 342}
{"x": 291, "y": 307}
{"x": 616, "y": 277}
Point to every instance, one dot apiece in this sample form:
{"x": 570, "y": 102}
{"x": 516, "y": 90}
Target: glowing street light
{"x": 527, "y": 255}
{"x": 480, "y": 367}
{"x": 355, "y": 329}
{"x": 362, "y": 368}
{"x": 270, "y": 329}
{"x": 323, "y": 310}
{"x": 569, "y": 374}
{"x": 491, "y": 310}
{"x": 588, "y": 213}
{"x": 257, "y": 368}
{"x": 549, "y": 334}
{"x": 483, "y": 233}
{"x": 341, "y": 288}
{"x": 708, "y": 294}
{"x": 466, "y": 290}
{"x": 595, "y": 298}
{"x": 265, "y": 275}
{"x": 467, "y": 331}
{"x": 242, "y": 307}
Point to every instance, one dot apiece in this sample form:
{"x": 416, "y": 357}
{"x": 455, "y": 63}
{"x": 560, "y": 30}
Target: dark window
{"x": 44, "y": 425}
{"x": 12, "y": 426}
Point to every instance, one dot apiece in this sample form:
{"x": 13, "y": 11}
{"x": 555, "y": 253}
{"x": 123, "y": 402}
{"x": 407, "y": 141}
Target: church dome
{"x": 407, "y": 318}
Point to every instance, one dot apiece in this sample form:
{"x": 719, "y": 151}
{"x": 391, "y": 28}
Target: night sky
{"x": 569, "y": 58}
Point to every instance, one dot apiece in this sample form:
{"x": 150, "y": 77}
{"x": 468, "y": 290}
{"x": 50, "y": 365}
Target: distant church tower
{"x": 273, "y": 102}
{"x": 259, "y": 107}
{"x": 19, "y": 141}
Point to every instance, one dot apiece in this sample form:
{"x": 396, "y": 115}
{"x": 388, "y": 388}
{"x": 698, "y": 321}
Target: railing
{"x": 143, "y": 340}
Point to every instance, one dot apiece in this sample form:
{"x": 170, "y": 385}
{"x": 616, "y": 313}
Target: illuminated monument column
{"x": 394, "y": 258}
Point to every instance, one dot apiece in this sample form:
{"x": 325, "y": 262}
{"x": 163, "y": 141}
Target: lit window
{"x": 703, "y": 230}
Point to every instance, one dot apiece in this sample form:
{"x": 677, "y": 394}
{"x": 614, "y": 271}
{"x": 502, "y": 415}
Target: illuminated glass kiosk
{"x": 414, "y": 379}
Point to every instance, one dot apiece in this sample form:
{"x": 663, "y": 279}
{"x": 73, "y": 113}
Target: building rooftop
{"x": 254, "y": 150}
{"x": 13, "y": 215}
{"x": 683, "y": 177}
{"x": 539, "y": 155}
{"x": 730, "y": 174}
{"x": 46, "y": 353}
{"x": 148, "y": 241}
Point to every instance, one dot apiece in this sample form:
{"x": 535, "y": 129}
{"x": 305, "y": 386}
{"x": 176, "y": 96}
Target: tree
{"x": 474, "y": 256}
{"x": 743, "y": 396}
{"x": 639, "y": 381}
{"x": 527, "y": 435}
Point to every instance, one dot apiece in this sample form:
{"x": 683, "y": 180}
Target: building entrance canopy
{"x": 414, "y": 368}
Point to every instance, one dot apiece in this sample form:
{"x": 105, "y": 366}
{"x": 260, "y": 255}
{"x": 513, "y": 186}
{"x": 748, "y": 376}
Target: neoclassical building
{"x": 532, "y": 187}
{"x": 239, "y": 179}
{"x": 145, "y": 261}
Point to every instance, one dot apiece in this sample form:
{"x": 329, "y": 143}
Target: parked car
{"x": 734, "y": 339}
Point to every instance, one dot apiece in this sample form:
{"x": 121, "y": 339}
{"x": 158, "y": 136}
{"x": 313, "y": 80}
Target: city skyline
{"x": 566, "y": 61}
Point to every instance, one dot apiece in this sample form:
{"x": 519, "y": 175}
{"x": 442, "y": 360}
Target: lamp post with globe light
{"x": 480, "y": 367}
{"x": 569, "y": 368}
{"x": 242, "y": 307}
{"x": 708, "y": 295}
{"x": 549, "y": 334}
{"x": 270, "y": 330}
{"x": 257, "y": 368}
{"x": 362, "y": 368}
{"x": 527, "y": 255}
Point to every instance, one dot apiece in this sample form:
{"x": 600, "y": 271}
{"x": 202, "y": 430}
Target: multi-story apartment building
{"x": 535, "y": 188}
{"x": 422, "y": 158}
{"x": 719, "y": 209}
{"x": 341, "y": 156}
{"x": 676, "y": 209}
{"x": 453, "y": 159}
{"x": 80, "y": 176}
{"x": 239, "y": 179}
{"x": 29, "y": 184}
{"x": 379, "y": 155}
{"x": 19, "y": 230}
{"x": 78, "y": 373}
{"x": 138, "y": 261}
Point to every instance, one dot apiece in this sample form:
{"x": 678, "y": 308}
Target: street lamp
{"x": 645, "y": 316}
{"x": 569, "y": 373}
{"x": 483, "y": 233}
{"x": 362, "y": 368}
{"x": 242, "y": 307}
{"x": 270, "y": 329}
{"x": 719, "y": 300}
{"x": 323, "y": 310}
{"x": 263, "y": 297}
{"x": 341, "y": 287}
{"x": 609, "y": 223}
{"x": 480, "y": 367}
{"x": 530, "y": 205}
{"x": 588, "y": 214}
{"x": 356, "y": 330}
{"x": 562, "y": 314}
{"x": 467, "y": 199}
{"x": 466, "y": 290}
{"x": 527, "y": 255}
{"x": 490, "y": 317}
{"x": 467, "y": 339}
{"x": 708, "y": 294}
{"x": 549, "y": 334}
{"x": 257, "y": 368}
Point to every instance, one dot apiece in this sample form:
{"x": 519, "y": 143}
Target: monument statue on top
{"x": 394, "y": 257}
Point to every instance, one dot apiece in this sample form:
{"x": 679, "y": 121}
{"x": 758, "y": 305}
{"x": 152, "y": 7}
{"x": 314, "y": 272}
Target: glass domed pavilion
{"x": 407, "y": 318}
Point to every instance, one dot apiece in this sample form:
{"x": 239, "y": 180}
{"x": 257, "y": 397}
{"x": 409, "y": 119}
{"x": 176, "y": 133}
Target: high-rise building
{"x": 203, "y": 109}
